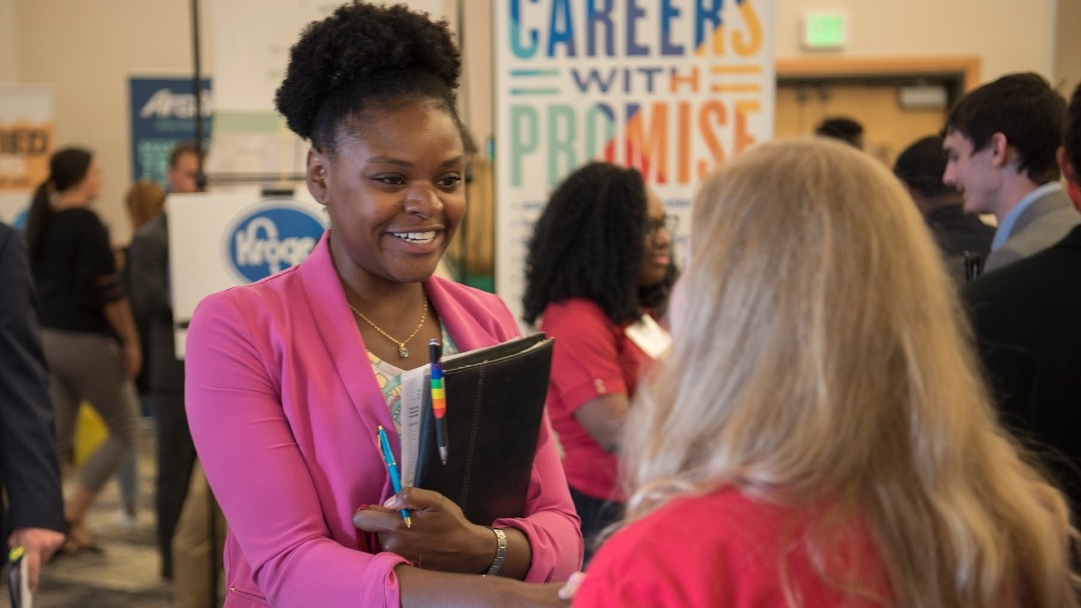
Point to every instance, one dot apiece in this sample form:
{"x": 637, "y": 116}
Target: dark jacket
{"x": 957, "y": 232}
{"x": 151, "y": 303}
{"x": 31, "y": 475}
{"x": 1027, "y": 318}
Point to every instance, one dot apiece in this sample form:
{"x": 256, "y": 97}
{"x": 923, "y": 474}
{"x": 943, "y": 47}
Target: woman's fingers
{"x": 567, "y": 591}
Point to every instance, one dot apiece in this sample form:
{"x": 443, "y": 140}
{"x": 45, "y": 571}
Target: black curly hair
{"x": 364, "y": 56}
{"x": 588, "y": 243}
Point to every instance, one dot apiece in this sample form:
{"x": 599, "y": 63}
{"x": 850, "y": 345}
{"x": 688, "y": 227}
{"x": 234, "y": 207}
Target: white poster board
{"x": 672, "y": 88}
{"x": 217, "y": 241}
{"x": 251, "y": 42}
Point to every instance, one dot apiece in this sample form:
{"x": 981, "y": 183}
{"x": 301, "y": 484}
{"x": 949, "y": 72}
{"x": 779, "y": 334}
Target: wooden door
{"x": 869, "y": 90}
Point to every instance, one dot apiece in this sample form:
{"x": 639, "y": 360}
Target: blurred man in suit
{"x": 31, "y": 474}
{"x": 151, "y": 300}
{"x": 1000, "y": 143}
{"x": 920, "y": 169}
{"x": 1028, "y": 326}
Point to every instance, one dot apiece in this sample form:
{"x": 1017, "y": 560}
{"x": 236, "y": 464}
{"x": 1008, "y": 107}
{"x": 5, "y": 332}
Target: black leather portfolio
{"x": 495, "y": 403}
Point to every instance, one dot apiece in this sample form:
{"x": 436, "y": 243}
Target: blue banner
{"x": 163, "y": 114}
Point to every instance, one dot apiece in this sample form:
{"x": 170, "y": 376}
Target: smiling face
{"x": 658, "y": 246}
{"x": 395, "y": 193}
{"x": 972, "y": 172}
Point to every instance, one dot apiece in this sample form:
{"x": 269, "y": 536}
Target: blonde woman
{"x": 144, "y": 200}
{"x": 820, "y": 436}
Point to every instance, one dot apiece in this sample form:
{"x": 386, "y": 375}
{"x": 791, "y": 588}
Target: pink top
{"x": 725, "y": 549}
{"x": 283, "y": 407}
{"x": 592, "y": 357}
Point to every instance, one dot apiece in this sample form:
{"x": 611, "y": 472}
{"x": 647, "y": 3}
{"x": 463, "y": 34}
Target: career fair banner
{"x": 162, "y": 115}
{"x": 26, "y": 143}
{"x": 217, "y": 241}
{"x": 671, "y": 87}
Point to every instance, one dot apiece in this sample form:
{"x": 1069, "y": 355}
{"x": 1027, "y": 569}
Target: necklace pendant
{"x": 403, "y": 352}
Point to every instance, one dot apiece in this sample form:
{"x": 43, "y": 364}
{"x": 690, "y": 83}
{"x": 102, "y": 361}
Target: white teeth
{"x": 422, "y": 238}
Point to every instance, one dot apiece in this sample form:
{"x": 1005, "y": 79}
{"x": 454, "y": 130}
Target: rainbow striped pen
{"x": 392, "y": 469}
{"x": 439, "y": 398}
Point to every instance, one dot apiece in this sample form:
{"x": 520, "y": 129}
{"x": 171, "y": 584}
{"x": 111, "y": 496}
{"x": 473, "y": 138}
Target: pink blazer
{"x": 283, "y": 407}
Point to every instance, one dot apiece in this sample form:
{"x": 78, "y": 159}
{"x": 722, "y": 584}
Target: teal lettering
{"x": 516, "y": 46}
{"x": 523, "y": 139}
{"x": 562, "y": 158}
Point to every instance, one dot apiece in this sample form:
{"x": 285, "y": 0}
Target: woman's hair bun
{"x": 359, "y": 46}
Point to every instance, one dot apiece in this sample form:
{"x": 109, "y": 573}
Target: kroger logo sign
{"x": 271, "y": 237}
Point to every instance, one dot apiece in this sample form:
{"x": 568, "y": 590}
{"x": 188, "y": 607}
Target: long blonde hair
{"x": 144, "y": 200}
{"x": 821, "y": 354}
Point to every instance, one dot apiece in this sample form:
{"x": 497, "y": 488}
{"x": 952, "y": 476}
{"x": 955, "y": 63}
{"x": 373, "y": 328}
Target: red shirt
{"x": 725, "y": 550}
{"x": 592, "y": 357}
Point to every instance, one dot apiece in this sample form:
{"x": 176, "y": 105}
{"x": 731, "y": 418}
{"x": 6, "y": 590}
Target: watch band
{"x": 500, "y": 551}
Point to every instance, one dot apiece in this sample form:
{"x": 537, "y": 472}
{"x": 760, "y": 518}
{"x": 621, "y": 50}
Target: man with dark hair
{"x": 842, "y": 128}
{"x": 150, "y": 298}
{"x": 1028, "y": 326}
{"x": 1000, "y": 143}
{"x": 920, "y": 169}
{"x": 184, "y": 165}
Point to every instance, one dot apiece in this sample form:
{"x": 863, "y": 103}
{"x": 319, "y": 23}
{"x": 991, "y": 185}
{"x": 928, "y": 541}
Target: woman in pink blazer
{"x": 289, "y": 378}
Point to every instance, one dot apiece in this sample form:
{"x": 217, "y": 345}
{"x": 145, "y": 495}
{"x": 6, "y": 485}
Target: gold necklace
{"x": 403, "y": 352}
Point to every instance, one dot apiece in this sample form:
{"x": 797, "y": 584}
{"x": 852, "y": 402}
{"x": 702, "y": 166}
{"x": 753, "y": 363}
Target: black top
{"x": 957, "y": 232}
{"x": 76, "y": 272}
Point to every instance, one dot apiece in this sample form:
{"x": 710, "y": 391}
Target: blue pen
{"x": 392, "y": 468}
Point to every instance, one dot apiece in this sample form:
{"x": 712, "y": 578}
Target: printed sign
{"x": 673, "y": 88}
{"x": 270, "y": 238}
{"x": 162, "y": 115}
{"x": 26, "y": 144}
{"x": 217, "y": 241}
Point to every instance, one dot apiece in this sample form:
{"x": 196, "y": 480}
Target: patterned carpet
{"x": 125, "y": 573}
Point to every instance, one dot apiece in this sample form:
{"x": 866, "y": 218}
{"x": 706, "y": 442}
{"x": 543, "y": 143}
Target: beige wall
{"x": 1008, "y": 35}
{"x": 1067, "y": 66}
{"x": 88, "y": 48}
{"x": 7, "y": 42}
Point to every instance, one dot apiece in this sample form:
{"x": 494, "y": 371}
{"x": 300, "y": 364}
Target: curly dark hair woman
{"x": 599, "y": 271}
{"x": 363, "y": 57}
{"x": 587, "y": 243}
{"x": 290, "y": 378}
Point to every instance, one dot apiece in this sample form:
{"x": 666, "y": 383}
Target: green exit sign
{"x": 825, "y": 30}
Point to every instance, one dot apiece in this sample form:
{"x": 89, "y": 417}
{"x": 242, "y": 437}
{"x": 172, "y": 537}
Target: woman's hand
{"x": 441, "y": 538}
{"x": 570, "y": 588}
{"x": 133, "y": 359}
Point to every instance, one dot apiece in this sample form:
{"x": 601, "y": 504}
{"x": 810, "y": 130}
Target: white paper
{"x": 414, "y": 383}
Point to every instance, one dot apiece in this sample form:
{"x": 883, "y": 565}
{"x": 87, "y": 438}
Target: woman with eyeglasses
{"x": 599, "y": 271}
